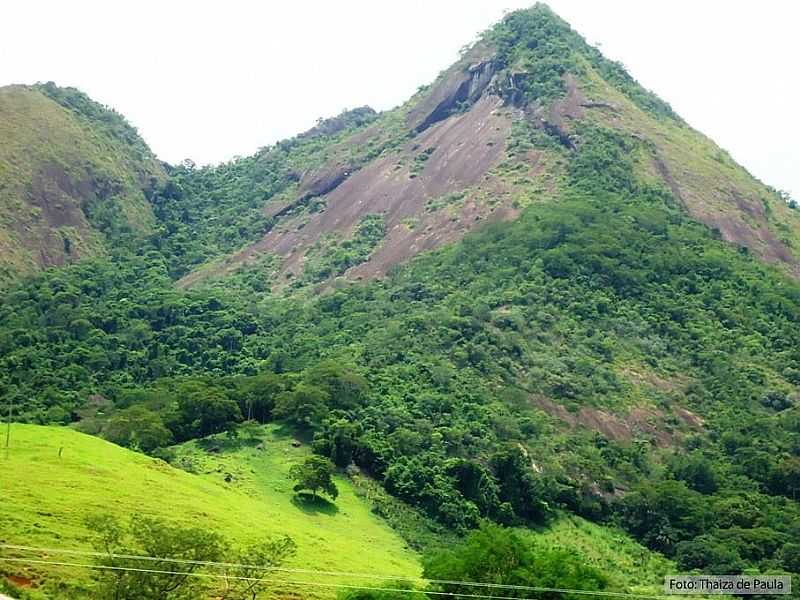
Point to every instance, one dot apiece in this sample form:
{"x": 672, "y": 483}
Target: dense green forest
{"x": 438, "y": 381}
{"x": 427, "y": 380}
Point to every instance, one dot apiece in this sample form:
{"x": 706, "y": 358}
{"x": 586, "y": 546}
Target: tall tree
{"x": 314, "y": 474}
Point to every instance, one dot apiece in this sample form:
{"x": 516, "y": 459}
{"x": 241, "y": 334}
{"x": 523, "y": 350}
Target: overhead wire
{"x": 301, "y": 571}
{"x": 274, "y": 581}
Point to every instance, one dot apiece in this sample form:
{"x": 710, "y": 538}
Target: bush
{"x": 708, "y": 555}
{"x": 697, "y": 472}
{"x": 138, "y": 428}
{"x": 663, "y": 514}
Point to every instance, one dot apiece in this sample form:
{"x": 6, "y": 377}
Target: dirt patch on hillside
{"x": 747, "y": 226}
{"x": 694, "y": 421}
{"x": 571, "y": 106}
{"x": 55, "y": 194}
{"x": 649, "y": 423}
{"x": 739, "y": 215}
{"x": 641, "y": 376}
{"x": 20, "y": 581}
{"x": 55, "y": 200}
{"x": 666, "y": 175}
{"x": 740, "y": 220}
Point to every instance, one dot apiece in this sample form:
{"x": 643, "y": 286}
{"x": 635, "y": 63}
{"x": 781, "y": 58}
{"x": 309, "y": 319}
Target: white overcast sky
{"x": 212, "y": 80}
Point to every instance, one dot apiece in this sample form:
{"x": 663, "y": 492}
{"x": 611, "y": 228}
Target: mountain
{"x": 491, "y": 135}
{"x": 530, "y": 295}
{"x": 71, "y": 171}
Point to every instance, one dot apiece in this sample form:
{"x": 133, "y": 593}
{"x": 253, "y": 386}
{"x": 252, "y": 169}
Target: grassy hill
{"x": 70, "y": 172}
{"x": 630, "y": 566}
{"x": 54, "y": 477}
{"x": 60, "y": 476}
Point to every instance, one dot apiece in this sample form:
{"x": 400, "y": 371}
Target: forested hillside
{"x": 586, "y": 308}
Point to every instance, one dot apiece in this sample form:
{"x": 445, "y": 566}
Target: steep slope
{"x": 453, "y": 157}
{"x": 206, "y": 213}
{"x": 71, "y": 172}
{"x": 84, "y": 475}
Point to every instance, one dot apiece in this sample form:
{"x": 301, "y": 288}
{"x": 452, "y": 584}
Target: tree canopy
{"x": 314, "y": 474}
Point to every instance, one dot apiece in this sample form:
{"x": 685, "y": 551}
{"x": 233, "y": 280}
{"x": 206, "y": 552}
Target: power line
{"x": 206, "y": 563}
{"x": 8, "y": 424}
{"x": 321, "y": 572}
{"x": 319, "y": 584}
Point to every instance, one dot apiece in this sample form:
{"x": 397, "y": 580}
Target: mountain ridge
{"x": 490, "y": 88}
{"x": 529, "y": 70}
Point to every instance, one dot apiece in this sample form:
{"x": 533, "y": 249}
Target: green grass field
{"x": 44, "y": 498}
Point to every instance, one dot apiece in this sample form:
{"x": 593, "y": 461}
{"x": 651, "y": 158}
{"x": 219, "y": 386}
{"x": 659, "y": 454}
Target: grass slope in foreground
{"x": 628, "y": 565}
{"x": 44, "y": 498}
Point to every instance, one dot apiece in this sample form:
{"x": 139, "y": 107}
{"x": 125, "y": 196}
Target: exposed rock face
{"x": 462, "y": 149}
{"x": 459, "y": 135}
{"x": 747, "y": 227}
{"x": 324, "y": 180}
{"x": 648, "y": 423}
{"x": 58, "y": 198}
{"x": 313, "y": 184}
{"x": 716, "y": 195}
{"x": 462, "y": 84}
{"x": 480, "y": 76}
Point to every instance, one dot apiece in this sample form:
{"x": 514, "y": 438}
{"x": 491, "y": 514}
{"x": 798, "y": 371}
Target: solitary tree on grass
{"x": 313, "y": 474}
